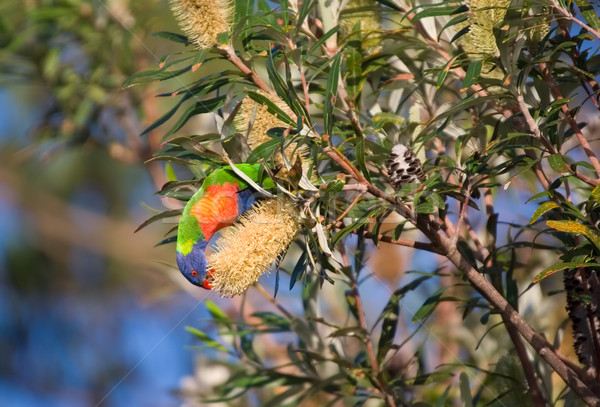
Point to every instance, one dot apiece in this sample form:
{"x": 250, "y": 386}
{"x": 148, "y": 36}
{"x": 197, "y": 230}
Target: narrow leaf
{"x": 561, "y": 266}
{"x": 542, "y": 209}
{"x": 331, "y": 93}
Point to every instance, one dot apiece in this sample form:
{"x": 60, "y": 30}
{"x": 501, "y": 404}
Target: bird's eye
{"x": 194, "y": 273}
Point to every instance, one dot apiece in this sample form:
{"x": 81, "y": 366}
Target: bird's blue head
{"x": 193, "y": 266}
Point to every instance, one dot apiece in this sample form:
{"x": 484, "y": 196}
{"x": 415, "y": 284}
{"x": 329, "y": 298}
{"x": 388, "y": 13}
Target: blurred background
{"x": 91, "y": 313}
{"x": 88, "y": 315}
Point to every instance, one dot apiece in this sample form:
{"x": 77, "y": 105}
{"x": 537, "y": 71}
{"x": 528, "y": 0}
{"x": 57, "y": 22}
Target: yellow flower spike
{"x": 364, "y": 12}
{"x": 483, "y": 16}
{"x": 247, "y": 249}
{"x": 203, "y": 20}
{"x": 255, "y": 120}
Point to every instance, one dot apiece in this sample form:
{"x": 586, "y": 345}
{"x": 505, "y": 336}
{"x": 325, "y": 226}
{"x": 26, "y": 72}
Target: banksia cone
{"x": 246, "y": 250}
{"x": 483, "y": 16}
{"x": 255, "y": 120}
{"x": 539, "y": 32}
{"x": 583, "y": 305}
{"x": 202, "y": 20}
{"x": 404, "y": 167}
{"x": 366, "y": 14}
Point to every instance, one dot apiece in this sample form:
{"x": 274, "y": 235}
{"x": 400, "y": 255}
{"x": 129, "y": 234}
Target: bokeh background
{"x": 88, "y": 313}
{"x": 91, "y": 313}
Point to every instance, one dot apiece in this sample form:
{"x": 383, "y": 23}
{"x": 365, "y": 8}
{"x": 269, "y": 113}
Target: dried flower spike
{"x": 202, "y": 20}
{"x": 255, "y": 120}
{"x": 246, "y": 250}
{"x": 404, "y": 167}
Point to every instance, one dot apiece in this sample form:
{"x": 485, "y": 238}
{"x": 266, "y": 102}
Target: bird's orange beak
{"x": 206, "y": 284}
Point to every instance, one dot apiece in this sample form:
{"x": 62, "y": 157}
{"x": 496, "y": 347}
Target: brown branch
{"x": 582, "y": 383}
{"x": 234, "y": 59}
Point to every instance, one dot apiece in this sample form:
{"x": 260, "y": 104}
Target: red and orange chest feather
{"x": 217, "y": 208}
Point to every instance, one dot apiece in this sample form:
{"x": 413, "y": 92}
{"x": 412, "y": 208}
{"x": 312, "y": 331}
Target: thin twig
{"x": 534, "y": 387}
{"x": 379, "y": 382}
{"x": 572, "y": 18}
{"x": 570, "y": 119}
{"x": 533, "y": 127}
{"x": 234, "y": 59}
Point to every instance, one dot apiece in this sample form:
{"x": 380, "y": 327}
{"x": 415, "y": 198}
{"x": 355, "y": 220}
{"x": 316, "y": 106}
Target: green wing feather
{"x": 189, "y": 231}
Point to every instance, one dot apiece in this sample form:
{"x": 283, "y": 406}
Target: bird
{"x": 222, "y": 198}
{"x": 404, "y": 167}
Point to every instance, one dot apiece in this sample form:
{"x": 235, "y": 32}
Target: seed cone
{"x": 202, "y": 20}
{"x": 255, "y": 120}
{"x": 404, "y": 167}
{"x": 583, "y": 305}
{"x": 246, "y": 250}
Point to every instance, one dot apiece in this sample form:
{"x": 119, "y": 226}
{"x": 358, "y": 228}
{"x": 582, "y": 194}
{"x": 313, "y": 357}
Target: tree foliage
{"x": 492, "y": 97}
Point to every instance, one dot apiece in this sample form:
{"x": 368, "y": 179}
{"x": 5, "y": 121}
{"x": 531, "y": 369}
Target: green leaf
{"x": 351, "y": 301}
{"x": 595, "y": 194}
{"x": 265, "y": 150}
{"x": 348, "y": 331}
{"x": 272, "y": 108}
{"x": 331, "y": 93}
{"x": 444, "y": 72}
{"x": 242, "y": 9}
{"x": 429, "y": 305}
{"x": 542, "y": 209}
{"x": 162, "y": 215}
{"x": 237, "y": 148}
{"x": 465, "y": 391}
{"x": 426, "y": 208}
{"x": 182, "y": 39}
{"x": 349, "y": 229}
{"x": 558, "y": 164}
{"x": 251, "y": 381}
{"x": 390, "y": 316}
{"x": 576, "y": 228}
{"x": 299, "y": 269}
{"x": 170, "y": 239}
{"x": 156, "y": 75}
{"x": 217, "y": 314}
{"x": 433, "y": 11}
{"x": 560, "y": 46}
{"x": 269, "y": 318}
{"x": 205, "y": 106}
{"x": 472, "y": 74}
{"x": 206, "y": 339}
{"x": 398, "y": 231}
{"x": 561, "y": 266}
{"x": 354, "y": 78}
{"x": 321, "y": 41}
{"x": 589, "y": 13}
{"x": 171, "y": 176}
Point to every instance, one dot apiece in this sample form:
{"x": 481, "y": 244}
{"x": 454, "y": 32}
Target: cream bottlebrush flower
{"x": 247, "y": 249}
{"x": 203, "y": 20}
{"x": 483, "y": 16}
{"x": 255, "y": 120}
{"x": 366, "y": 13}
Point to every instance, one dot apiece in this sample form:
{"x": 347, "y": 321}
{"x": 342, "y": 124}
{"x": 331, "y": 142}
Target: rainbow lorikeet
{"x": 221, "y": 199}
